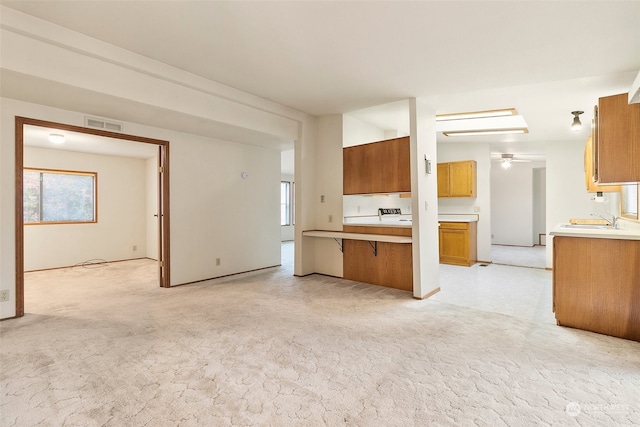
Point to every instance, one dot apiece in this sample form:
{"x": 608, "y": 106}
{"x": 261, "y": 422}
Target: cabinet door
{"x": 379, "y": 167}
{"x": 353, "y": 165}
{"x": 454, "y": 244}
{"x": 443, "y": 179}
{"x": 618, "y": 141}
{"x": 462, "y": 179}
{"x": 592, "y": 186}
{"x": 595, "y": 285}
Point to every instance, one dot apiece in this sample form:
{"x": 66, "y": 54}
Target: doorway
{"x": 163, "y": 258}
{"x": 518, "y": 215}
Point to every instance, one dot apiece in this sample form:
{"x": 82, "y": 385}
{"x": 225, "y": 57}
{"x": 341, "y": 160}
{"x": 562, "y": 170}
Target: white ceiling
{"x": 37, "y": 136}
{"x": 544, "y": 58}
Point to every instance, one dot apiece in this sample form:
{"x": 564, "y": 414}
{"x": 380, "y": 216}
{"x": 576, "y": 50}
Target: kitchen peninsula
{"x": 596, "y": 278}
{"x": 378, "y": 249}
{"x": 391, "y": 264}
{"x": 376, "y": 236}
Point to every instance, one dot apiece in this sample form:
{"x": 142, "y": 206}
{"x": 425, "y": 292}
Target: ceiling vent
{"x": 104, "y": 124}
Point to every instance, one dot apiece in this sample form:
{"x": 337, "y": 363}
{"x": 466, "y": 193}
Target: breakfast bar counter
{"x": 374, "y": 253}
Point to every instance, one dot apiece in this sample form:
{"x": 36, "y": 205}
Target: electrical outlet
{"x": 217, "y": 261}
{"x": 476, "y": 209}
{"x": 322, "y": 198}
{"x": 4, "y": 295}
{"x": 330, "y": 218}
{"x": 135, "y": 248}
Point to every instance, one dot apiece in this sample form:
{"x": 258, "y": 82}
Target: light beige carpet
{"x": 107, "y": 347}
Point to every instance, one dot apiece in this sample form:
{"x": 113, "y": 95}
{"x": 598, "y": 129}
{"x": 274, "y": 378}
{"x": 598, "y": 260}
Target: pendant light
{"x": 576, "y": 125}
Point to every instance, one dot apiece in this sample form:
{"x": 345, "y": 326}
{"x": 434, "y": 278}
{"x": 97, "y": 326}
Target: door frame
{"x": 163, "y": 197}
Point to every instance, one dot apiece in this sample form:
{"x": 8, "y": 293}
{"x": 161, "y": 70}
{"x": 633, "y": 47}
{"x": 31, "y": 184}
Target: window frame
{"x": 293, "y": 203}
{"x": 94, "y": 175}
{"x": 623, "y": 202}
{"x": 287, "y": 204}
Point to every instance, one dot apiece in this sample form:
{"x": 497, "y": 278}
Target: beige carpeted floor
{"x": 106, "y": 347}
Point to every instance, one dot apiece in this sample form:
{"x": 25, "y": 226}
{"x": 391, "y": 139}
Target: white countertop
{"x": 357, "y": 236}
{"x": 405, "y": 220}
{"x": 458, "y": 218}
{"x": 596, "y": 233}
{"x": 384, "y": 223}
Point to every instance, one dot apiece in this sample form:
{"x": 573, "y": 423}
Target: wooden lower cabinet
{"x": 596, "y": 285}
{"x": 458, "y": 243}
{"x": 391, "y": 267}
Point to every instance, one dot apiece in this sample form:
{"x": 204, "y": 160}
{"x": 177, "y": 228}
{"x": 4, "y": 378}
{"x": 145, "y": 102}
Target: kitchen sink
{"x": 588, "y": 226}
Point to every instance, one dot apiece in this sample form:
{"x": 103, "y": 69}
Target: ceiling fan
{"x": 507, "y": 159}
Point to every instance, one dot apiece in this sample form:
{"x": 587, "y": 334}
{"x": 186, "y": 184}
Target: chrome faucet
{"x": 613, "y": 222}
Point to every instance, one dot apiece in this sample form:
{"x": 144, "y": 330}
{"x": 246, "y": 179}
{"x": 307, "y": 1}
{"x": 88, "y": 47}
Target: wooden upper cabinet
{"x": 378, "y": 167}
{"x": 617, "y": 143}
{"x": 457, "y": 179}
{"x": 443, "y": 179}
{"x": 592, "y": 186}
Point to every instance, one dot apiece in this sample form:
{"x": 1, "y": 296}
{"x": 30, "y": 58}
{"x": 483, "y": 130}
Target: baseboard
{"x": 87, "y": 262}
{"x": 428, "y": 295}
{"x": 225, "y": 275}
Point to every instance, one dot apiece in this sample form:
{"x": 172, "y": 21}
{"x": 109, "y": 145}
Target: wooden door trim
{"x": 20, "y": 122}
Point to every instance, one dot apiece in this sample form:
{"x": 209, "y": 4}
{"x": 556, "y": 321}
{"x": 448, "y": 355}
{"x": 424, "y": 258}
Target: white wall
{"x": 481, "y": 153}
{"x": 357, "y": 132}
{"x": 121, "y": 213}
{"x": 359, "y": 205}
{"x": 512, "y": 205}
{"x": 567, "y": 196}
{"x": 215, "y": 213}
{"x": 539, "y": 205}
{"x": 327, "y": 255}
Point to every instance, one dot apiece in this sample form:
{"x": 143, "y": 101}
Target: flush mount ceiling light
{"x": 576, "y": 125}
{"x": 56, "y": 138}
{"x": 477, "y": 114}
{"x": 506, "y": 163}
{"x": 490, "y": 122}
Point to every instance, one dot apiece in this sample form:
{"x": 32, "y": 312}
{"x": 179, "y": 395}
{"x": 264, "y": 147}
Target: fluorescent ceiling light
{"x": 485, "y": 132}
{"x": 487, "y": 124}
{"x": 477, "y": 114}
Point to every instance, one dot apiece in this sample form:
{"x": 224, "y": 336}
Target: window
{"x": 629, "y": 201}
{"x": 54, "y": 196}
{"x": 285, "y": 203}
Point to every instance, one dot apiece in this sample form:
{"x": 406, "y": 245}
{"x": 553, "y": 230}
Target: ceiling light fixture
{"x": 506, "y": 164}
{"x": 485, "y": 132}
{"x": 56, "y": 138}
{"x": 576, "y": 125}
{"x": 477, "y": 114}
